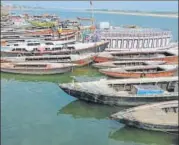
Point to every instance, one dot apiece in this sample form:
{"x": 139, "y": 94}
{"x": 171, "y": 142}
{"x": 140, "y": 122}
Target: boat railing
{"x": 134, "y": 35}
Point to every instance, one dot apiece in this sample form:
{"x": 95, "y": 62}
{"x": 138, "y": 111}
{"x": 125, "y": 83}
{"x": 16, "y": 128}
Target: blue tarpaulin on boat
{"x": 148, "y": 90}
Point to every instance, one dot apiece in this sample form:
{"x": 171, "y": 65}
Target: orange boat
{"x": 141, "y": 71}
{"x": 169, "y": 56}
{"x": 3, "y": 43}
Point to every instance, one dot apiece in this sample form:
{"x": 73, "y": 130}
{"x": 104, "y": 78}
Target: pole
{"x": 92, "y": 13}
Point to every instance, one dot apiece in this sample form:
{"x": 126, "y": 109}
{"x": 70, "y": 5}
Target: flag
{"x": 91, "y": 3}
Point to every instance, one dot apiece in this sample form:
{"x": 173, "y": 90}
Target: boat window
{"x": 30, "y": 65}
{"x": 24, "y": 49}
{"x": 20, "y": 40}
{"x": 33, "y": 44}
{"x": 36, "y": 36}
{"x": 35, "y": 49}
{"x": 49, "y": 43}
{"x": 56, "y": 48}
{"x": 47, "y": 39}
{"x": 47, "y": 48}
{"x": 168, "y": 54}
{"x": 71, "y": 48}
{"x": 19, "y": 49}
{"x": 16, "y": 44}
{"x": 171, "y": 109}
{"x": 11, "y": 37}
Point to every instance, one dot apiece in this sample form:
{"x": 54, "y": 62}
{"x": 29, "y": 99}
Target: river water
{"x": 35, "y": 111}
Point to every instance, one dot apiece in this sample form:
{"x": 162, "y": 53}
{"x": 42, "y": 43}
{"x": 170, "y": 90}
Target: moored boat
{"x": 21, "y": 39}
{"x": 119, "y": 64}
{"x": 36, "y": 68}
{"x": 37, "y": 49}
{"x": 80, "y": 60}
{"x": 161, "y": 116}
{"x": 125, "y": 92}
{"x": 169, "y": 56}
{"x": 140, "y": 71}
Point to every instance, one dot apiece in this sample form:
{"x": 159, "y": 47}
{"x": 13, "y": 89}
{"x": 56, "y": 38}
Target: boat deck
{"x": 102, "y": 87}
{"x": 156, "y": 116}
{"x": 142, "y": 67}
{"x": 96, "y": 88}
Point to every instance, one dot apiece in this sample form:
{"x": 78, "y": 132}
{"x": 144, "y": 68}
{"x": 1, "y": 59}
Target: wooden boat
{"x": 119, "y": 64}
{"x": 21, "y": 39}
{"x": 125, "y": 92}
{"x": 161, "y": 116}
{"x": 169, "y": 56}
{"x": 30, "y": 43}
{"x": 37, "y": 49}
{"x": 36, "y": 68}
{"x": 50, "y": 36}
{"x": 81, "y": 60}
{"x": 20, "y": 36}
{"x": 149, "y": 71}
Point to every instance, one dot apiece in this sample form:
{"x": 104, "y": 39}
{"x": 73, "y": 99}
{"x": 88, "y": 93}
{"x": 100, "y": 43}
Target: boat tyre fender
{"x": 142, "y": 75}
{"x": 19, "y": 55}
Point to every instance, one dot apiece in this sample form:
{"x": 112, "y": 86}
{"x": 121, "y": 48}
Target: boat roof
{"x": 147, "y": 87}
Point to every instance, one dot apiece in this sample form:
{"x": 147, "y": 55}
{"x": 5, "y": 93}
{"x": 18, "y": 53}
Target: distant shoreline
{"x": 138, "y": 14}
{"x": 166, "y": 15}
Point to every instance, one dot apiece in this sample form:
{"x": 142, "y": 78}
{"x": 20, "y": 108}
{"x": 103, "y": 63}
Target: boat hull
{"x": 99, "y": 59}
{"x": 79, "y": 62}
{"x": 138, "y": 75}
{"x": 168, "y": 59}
{"x": 37, "y": 71}
{"x": 83, "y": 62}
{"x": 118, "y": 100}
{"x": 147, "y": 126}
{"x": 94, "y": 49}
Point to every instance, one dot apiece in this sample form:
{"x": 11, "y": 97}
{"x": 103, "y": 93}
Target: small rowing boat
{"x": 169, "y": 56}
{"x": 80, "y": 60}
{"x": 36, "y": 68}
{"x": 149, "y": 71}
{"x": 119, "y": 64}
{"x": 161, "y": 116}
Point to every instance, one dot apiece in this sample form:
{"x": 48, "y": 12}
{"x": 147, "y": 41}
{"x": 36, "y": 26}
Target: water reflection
{"x": 80, "y": 109}
{"x": 139, "y": 136}
{"x": 58, "y": 78}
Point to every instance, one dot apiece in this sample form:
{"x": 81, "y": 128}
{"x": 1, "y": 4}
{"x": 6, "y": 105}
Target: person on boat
{"x": 60, "y": 31}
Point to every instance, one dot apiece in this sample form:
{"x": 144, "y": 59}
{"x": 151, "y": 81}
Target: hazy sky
{"x": 122, "y": 5}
